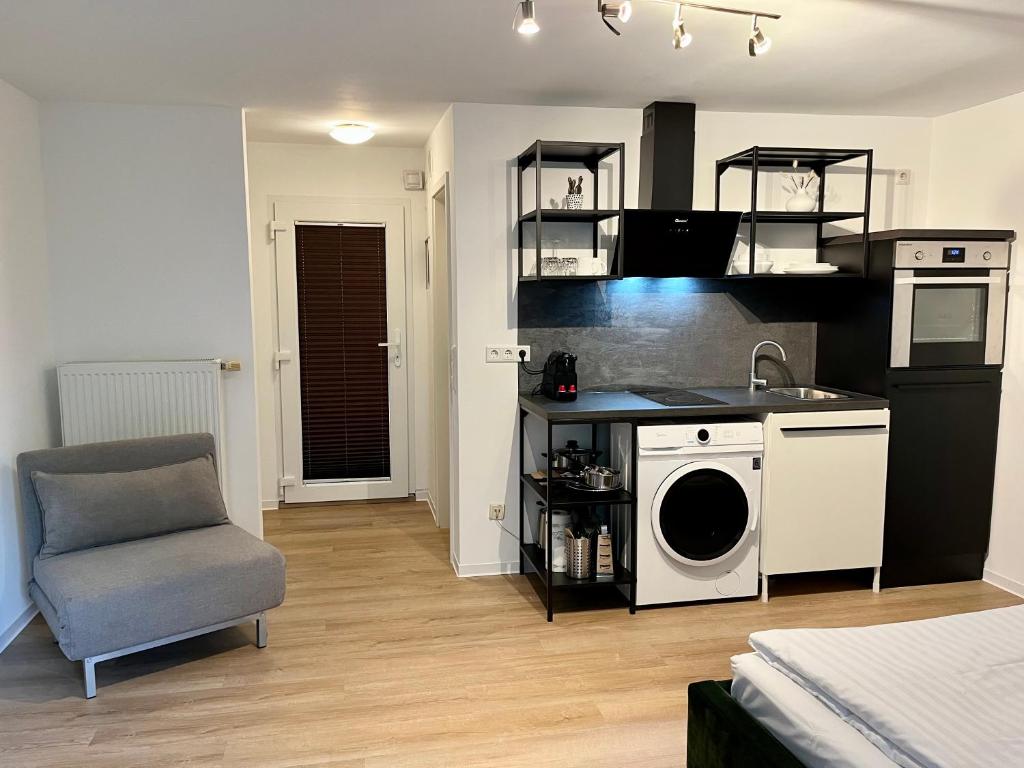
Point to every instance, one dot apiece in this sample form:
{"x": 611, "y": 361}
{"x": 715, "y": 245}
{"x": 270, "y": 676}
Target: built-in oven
{"x": 949, "y": 303}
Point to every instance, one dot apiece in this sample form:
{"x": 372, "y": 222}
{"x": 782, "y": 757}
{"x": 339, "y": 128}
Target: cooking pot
{"x": 597, "y": 478}
{"x": 572, "y": 457}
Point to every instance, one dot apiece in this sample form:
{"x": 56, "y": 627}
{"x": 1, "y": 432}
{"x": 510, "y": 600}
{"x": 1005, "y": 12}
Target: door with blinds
{"x": 342, "y": 350}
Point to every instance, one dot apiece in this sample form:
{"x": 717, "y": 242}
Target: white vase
{"x": 801, "y": 202}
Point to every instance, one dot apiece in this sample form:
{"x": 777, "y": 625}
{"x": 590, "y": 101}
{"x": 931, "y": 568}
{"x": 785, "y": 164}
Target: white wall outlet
{"x": 902, "y": 176}
{"x": 507, "y": 354}
{"x": 496, "y": 512}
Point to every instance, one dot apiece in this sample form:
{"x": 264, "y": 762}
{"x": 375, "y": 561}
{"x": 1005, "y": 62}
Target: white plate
{"x": 809, "y": 269}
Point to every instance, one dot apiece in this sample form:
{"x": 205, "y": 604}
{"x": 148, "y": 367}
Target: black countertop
{"x": 736, "y": 401}
{"x": 926, "y": 234}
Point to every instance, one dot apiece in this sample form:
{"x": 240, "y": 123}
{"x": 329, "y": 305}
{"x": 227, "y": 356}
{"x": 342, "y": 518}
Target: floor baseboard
{"x": 1005, "y": 583}
{"x": 466, "y": 570}
{"x": 8, "y": 635}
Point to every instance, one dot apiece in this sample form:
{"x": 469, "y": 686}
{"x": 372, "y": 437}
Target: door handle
{"x": 396, "y": 346}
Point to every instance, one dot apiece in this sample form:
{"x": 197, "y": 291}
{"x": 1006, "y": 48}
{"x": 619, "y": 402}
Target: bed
{"x": 922, "y": 694}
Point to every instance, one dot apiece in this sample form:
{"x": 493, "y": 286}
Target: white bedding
{"x": 944, "y": 692}
{"x": 804, "y": 725}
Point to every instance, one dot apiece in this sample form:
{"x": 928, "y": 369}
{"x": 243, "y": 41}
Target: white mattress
{"x": 804, "y": 725}
{"x": 944, "y": 692}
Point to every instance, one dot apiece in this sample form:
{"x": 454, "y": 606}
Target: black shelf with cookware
{"x": 576, "y": 515}
{"x": 580, "y": 236}
{"x": 807, "y": 202}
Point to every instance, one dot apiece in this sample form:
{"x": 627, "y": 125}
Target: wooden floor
{"x": 382, "y": 658}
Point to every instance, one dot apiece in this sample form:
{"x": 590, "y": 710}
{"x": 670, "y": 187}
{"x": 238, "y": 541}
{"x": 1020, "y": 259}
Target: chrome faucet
{"x": 756, "y": 383}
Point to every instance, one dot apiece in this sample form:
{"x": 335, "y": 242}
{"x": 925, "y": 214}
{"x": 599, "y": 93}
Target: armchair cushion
{"x": 97, "y": 509}
{"x": 107, "y": 598}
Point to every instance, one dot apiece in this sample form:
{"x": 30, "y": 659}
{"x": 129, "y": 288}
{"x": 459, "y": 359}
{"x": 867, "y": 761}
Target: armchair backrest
{"x": 118, "y": 456}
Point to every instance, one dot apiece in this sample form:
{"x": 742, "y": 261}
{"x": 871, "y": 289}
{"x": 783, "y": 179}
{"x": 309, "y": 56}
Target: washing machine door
{"x": 702, "y": 513}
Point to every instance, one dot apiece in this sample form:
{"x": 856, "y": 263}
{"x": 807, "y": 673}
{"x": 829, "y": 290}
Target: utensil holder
{"x": 578, "y": 558}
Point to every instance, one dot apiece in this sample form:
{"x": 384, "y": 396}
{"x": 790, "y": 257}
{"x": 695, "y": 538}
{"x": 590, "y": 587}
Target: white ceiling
{"x": 301, "y": 65}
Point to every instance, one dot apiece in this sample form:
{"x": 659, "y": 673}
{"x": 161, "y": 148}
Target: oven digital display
{"x": 955, "y": 255}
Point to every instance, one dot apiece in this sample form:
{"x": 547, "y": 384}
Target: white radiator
{"x": 117, "y": 401}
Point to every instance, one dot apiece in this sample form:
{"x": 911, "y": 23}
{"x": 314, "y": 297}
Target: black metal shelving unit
{"x": 757, "y": 159}
{"x": 536, "y": 561}
{"x": 575, "y": 155}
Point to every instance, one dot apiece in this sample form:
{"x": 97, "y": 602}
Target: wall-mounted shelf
{"x": 593, "y": 224}
{"x": 563, "y": 214}
{"x": 790, "y": 217}
{"x": 757, "y": 159}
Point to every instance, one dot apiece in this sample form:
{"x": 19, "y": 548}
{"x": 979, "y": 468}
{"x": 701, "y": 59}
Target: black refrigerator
{"x": 926, "y": 331}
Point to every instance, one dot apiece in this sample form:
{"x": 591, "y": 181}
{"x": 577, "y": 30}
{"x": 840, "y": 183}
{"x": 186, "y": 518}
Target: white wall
{"x": 977, "y": 172}
{"x": 355, "y": 173}
{"x": 149, "y": 253}
{"x": 25, "y": 342}
{"x": 486, "y": 139}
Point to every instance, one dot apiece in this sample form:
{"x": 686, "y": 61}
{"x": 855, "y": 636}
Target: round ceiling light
{"x": 352, "y": 133}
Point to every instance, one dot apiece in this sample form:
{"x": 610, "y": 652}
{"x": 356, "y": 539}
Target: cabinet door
{"x": 942, "y": 471}
{"x": 824, "y": 490}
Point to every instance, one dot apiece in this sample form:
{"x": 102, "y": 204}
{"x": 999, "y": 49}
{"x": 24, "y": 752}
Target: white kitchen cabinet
{"x": 823, "y": 502}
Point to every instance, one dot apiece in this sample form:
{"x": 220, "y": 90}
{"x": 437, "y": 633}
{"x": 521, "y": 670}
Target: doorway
{"x": 441, "y": 379}
{"x": 343, "y": 368}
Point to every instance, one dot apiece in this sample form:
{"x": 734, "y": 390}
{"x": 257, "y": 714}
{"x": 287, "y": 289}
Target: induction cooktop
{"x": 677, "y": 398}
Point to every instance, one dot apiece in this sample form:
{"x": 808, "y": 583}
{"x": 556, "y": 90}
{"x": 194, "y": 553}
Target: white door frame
{"x": 443, "y": 187}
{"x": 394, "y": 214}
{"x": 444, "y": 517}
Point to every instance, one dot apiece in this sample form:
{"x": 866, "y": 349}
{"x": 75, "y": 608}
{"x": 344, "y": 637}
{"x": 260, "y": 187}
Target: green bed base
{"x": 721, "y": 734}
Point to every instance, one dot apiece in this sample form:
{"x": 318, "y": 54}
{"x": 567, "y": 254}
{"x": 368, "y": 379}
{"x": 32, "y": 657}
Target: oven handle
{"x": 993, "y": 280}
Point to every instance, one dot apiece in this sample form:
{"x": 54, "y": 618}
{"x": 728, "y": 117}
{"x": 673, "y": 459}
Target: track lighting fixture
{"x": 759, "y": 43}
{"x": 680, "y": 37}
{"x": 623, "y": 11}
{"x": 527, "y": 16}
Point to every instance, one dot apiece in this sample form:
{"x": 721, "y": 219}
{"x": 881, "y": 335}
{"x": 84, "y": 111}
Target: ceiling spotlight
{"x": 352, "y": 133}
{"x": 759, "y": 43}
{"x": 528, "y": 19}
{"x": 623, "y": 11}
{"x": 680, "y": 37}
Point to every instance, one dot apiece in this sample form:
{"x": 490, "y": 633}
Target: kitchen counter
{"x": 736, "y": 401}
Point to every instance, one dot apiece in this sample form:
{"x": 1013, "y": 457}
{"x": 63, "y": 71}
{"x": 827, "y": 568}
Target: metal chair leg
{"x": 261, "y": 631}
{"x": 89, "y": 674}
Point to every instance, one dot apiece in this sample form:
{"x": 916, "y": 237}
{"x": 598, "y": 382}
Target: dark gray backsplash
{"x": 664, "y": 332}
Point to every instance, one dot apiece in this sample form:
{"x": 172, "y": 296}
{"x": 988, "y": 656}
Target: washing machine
{"x": 698, "y": 507}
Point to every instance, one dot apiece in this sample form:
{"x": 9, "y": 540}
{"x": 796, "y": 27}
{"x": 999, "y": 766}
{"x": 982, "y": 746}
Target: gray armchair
{"x": 131, "y": 548}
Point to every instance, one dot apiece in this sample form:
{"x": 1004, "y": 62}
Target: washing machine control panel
{"x": 667, "y": 436}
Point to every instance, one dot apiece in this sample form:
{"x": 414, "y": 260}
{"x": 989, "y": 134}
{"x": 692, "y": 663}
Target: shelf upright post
{"x": 551, "y": 524}
{"x": 519, "y": 212}
{"x": 867, "y": 211}
{"x": 753, "y": 212}
{"x": 634, "y": 448}
{"x": 522, "y": 494}
{"x": 539, "y": 234}
{"x": 820, "y": 169}
{"x": 595, "y": 226}
{"x": 620, "y": 241}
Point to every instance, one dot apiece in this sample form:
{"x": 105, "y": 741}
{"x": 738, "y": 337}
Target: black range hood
{"x": 665, "y": 237}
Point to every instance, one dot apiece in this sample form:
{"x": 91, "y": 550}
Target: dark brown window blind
{"x": 341, "y": 276}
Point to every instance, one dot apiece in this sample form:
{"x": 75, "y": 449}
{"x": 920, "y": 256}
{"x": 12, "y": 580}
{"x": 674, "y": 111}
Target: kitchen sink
{"x": 808, "y": 393}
